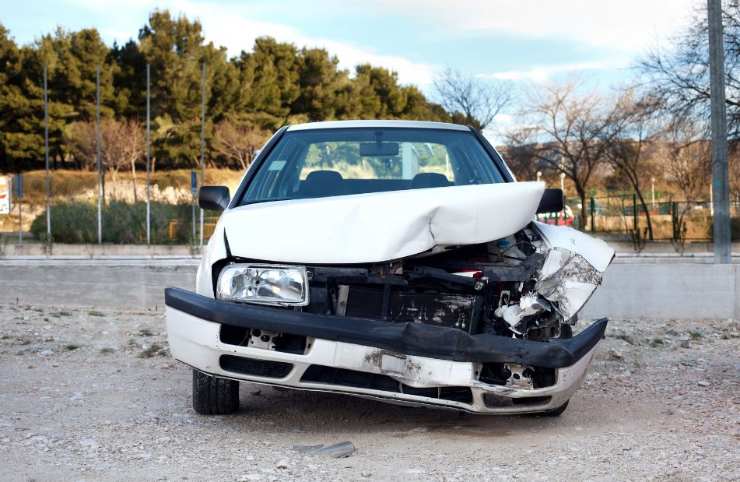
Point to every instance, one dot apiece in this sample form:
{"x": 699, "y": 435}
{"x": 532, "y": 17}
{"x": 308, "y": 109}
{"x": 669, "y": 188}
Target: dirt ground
{"x": 92, "y": 394}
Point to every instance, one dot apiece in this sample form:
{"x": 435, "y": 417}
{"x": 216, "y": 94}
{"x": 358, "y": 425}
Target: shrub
{"x": 123, "y": 223}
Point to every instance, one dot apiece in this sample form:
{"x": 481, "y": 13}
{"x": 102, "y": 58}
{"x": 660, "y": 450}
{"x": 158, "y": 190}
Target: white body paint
{"x": 380, "y": 227}
{"x": 377, "y": 227}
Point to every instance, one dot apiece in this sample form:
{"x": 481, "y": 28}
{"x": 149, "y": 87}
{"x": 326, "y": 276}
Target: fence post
{"x": 202, "y": 139}
{"x": 18, "y": 185}
{"x": 193, "y": 191}
{"x": 46, "y": 159}
{"x": 674, "y": 216}
{"x": 98, "y": 160}
{"x": 593, "y": 208}
{"x": 148, "y": 162}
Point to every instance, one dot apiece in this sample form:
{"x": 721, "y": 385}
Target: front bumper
{"x": 403, "y": 362}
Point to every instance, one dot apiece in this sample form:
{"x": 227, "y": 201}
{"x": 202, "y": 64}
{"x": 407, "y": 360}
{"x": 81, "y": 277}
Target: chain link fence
{"x": 175, "y": 217}
{"x": 667, "y": 219}
{"x": 73, "y": 208}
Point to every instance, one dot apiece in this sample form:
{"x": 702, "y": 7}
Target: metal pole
{"x": 97, "y": 155}
{"x": 148, "y": 155}
{"x": 20, "y": 222}
{"x": 720, "y": 184}
{"x": 46, "y": 158}
{"x": 202, "y": 139}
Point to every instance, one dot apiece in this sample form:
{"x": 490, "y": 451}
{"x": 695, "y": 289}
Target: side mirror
{"x": 551, "y": 202}
{"x": 214, "y": 198}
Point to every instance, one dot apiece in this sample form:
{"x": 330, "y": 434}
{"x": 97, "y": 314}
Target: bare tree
{"x": 238, "y": 143}
{"x": 472, "y": 101}
{"x": 680, "y": 76}
{"x": 688, "y": 158}
{"x": 121, "y": 148}
{"x": 521, "y": 151}
{"x": 574, "y": 131}
{"x": 630, "y": 141}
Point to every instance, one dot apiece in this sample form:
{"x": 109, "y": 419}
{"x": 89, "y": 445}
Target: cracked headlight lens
{"x": 264, "y": 284}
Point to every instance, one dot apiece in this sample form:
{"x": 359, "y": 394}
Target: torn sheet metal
{"x": 377, "y": 227}
{"x": 568, "y": 280}
{"x": 529, "y": 304}
{"x": 594, "y": 250}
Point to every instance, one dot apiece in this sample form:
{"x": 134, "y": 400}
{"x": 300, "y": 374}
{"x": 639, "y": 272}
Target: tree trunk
{"x": 584, "y": 215}
{"x": 647, "y": 214}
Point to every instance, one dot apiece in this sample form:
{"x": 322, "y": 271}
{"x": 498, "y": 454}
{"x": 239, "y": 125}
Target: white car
{"x": 391, "y": 260}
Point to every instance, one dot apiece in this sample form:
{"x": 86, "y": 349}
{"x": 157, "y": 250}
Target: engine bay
{"x": 504, "y": 287}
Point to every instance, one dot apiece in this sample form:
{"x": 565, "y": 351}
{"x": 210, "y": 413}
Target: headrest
{"x": 429, "y": 179}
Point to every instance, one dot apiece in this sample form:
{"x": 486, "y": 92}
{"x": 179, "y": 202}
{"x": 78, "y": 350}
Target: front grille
{"x": 452, "y": 310}
{"x": 374, "y": 381}
{"x": 283, "y": 342}
{"x": 491, "y": 400}
{"x": 252, "y": 366}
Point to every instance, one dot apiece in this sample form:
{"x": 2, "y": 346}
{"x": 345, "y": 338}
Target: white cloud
{"x": 544, "y": 73}
{"x": 624, "y": 25}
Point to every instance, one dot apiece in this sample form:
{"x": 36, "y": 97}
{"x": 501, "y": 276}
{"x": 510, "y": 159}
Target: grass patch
{"x": 123, "y": 223}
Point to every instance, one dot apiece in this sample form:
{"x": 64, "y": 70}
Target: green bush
{"x": 123, "y": 223}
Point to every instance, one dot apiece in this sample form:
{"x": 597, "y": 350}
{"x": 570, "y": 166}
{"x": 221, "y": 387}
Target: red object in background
{"x": 563, "y": 218}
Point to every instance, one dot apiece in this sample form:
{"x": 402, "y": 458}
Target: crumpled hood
{"x": 378, "y": 227}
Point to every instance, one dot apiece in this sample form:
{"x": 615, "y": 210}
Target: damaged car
{"x": 393, "y": 260}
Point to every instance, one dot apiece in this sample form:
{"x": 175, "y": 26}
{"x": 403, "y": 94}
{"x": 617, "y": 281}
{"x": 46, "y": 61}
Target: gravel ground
{"x": 91, "y": 394}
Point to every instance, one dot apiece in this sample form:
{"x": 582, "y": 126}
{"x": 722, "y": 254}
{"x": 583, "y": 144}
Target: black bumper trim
{"x": 409, "y": 338}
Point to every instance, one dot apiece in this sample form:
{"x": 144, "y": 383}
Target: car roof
{"x": 377, "y": 124}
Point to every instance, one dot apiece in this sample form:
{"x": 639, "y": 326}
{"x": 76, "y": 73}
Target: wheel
{"x": 555, "y": 412}
{"x": 214, "y": 396}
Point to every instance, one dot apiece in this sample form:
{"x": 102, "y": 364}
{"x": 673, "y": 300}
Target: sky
{"x": 521, "y": 42}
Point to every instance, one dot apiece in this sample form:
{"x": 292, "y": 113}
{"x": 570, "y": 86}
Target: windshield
{"x": 337, "y": 162}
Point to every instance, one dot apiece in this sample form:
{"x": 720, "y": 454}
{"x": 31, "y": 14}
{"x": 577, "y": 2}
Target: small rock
{"x": 365, "y": 474}
{"x": 703, "y": 383}
{"x": 282, "y": 464}
{"x": 337, "y": 451}
{"x": 626, "y": 338}
{"x": 153, "y": 350}
{"x": 244, "y": 478}
{"x": 684, "y": 341}
{"x": 46, "y": 353}
{"x": 615, "y": 355}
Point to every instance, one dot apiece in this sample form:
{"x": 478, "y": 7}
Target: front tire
{"x": 214, "y": 396}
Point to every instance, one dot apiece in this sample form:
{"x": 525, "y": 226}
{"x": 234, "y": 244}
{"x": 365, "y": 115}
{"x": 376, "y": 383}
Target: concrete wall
{"x": 101, "y": 284}
{"x": 666, "y": 289}
{"x": 633, "y": 288}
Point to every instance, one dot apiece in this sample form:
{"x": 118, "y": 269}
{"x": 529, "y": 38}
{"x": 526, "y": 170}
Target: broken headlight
{"x": 264, "y": 284}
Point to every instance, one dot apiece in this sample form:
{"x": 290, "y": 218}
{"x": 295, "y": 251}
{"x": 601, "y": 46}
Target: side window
{"x": 269, "y": 181}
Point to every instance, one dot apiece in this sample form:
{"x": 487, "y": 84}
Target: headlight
{"x": 259, "y": 283}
